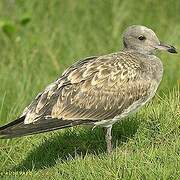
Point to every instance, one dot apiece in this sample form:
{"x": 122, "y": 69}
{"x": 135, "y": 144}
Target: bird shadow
{"x": 74, "y": 142}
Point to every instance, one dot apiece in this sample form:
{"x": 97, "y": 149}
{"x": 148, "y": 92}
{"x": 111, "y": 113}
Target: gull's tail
{"x": 17, "y": 127}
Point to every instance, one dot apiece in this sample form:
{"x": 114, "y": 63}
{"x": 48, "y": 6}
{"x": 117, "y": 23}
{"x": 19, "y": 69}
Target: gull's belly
{"x": 131, "y": 109}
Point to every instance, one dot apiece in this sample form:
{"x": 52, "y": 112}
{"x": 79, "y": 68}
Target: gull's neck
{"x": 138, "y": 51}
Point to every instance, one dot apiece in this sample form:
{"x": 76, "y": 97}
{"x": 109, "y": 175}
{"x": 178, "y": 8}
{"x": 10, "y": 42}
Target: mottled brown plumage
{"x": 97, "y": 90}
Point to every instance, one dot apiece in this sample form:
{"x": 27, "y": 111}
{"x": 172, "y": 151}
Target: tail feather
{"x": 13, "y": 123}
{"x": 17, "y": 127}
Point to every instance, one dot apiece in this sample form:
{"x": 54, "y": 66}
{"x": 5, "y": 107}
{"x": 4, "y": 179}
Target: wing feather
{"x": 97, "y": 88}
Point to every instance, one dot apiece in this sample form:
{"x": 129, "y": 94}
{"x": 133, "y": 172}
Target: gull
{"x": 98, "y": 90}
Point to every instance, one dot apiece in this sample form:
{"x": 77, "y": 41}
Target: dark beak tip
{"x": 172, "y": 49}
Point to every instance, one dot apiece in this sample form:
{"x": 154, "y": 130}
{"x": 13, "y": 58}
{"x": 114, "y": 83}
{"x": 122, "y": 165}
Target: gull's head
{"x": 144, "y": 40}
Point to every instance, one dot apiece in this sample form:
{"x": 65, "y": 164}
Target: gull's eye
{"x": 141, "y": 38}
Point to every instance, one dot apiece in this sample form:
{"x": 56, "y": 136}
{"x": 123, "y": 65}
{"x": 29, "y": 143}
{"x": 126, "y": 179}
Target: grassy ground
{"x": 38, "y": 40}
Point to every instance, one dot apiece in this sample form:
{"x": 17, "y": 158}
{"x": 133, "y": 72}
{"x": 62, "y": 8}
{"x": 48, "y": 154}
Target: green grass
{"x": 38, "y": 40}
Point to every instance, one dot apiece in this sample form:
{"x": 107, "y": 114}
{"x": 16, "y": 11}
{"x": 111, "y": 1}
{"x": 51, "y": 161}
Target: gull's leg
{"x": 108, "y": 137}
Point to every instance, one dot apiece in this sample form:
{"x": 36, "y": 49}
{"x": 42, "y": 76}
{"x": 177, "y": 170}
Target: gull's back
{"x": 98, "y": 89}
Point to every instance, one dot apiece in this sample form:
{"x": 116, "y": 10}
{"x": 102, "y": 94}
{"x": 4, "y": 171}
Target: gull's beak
{"x": 166, "y": 47}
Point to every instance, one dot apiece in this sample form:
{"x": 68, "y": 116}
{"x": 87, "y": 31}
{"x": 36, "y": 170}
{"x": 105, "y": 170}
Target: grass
{"x": 38, "y": 40}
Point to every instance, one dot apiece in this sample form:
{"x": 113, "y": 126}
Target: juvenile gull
{"x": 99, "y": 90}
